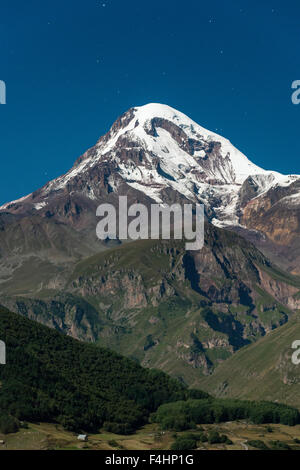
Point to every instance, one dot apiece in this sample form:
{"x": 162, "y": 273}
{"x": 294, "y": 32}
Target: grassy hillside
{"x": 47, "y": 436}
{"x": 263, "y": 370}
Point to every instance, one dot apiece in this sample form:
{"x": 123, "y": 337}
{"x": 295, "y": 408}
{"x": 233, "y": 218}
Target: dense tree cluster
{"x": 8, "y": 424}
{"x": 187, "y": 414}
{"x": 188, "y": 441}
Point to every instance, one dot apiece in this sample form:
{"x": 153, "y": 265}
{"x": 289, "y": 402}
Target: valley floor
{"x": 52, "y": 437}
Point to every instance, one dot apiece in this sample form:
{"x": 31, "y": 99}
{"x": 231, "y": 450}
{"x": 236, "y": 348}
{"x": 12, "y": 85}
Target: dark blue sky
{"x": 72, "y": 67}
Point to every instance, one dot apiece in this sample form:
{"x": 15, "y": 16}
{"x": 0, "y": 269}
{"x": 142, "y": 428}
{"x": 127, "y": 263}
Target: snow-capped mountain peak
{"x": 241, "y": 165}
{"x": 151, "y": 115}
{"x": 160, "y": 153}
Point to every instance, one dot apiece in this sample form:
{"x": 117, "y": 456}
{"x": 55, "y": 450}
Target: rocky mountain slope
{"x": 180, "y": 311}
{"x": 262, "y": 370}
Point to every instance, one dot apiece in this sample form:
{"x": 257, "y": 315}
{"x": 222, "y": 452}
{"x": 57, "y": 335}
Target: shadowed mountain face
{"x": 276, "y": 214}
{"x": 179, "y": 311}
